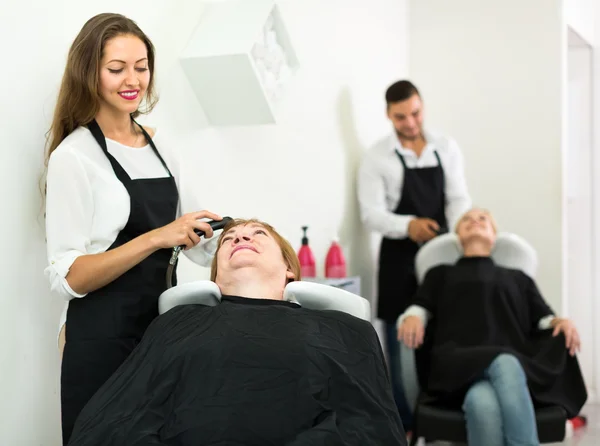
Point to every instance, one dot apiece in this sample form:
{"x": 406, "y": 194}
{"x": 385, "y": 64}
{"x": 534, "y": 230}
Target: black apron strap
{"x": 101, "y": 140}
{"x": 443, "y": 228}
{"x": 401, "y": 159}
{"x": 149, "y": 140}
{"x": 98, "y": 135}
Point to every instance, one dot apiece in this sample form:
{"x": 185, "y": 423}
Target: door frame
{"x": 577, "y": 42}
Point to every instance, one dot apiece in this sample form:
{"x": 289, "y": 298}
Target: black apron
{"x": 423, "y": 196}
{"x": 105, "y": 326}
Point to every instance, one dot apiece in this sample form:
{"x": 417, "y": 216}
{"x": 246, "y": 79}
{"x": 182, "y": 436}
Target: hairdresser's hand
{"x": 181, "y": 231}
{"x": 422, "y": 230}
{"x": 411, "y": 332}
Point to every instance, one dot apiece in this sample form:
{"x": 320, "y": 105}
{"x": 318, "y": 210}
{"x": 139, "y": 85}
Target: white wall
{"x": 334, "y": 111}
{"x": 581, "y": 16}
{"x": 295, "y": 173}
{"x": 491, "y": 74}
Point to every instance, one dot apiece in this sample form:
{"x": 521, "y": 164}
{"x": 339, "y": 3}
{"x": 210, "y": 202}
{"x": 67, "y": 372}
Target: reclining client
{"x": 494, "y": 346}
{"x": 254, "y": 370}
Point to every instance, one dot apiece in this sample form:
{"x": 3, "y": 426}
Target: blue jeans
{"x": 498, "y": 409}
{"x": 393, "y": 351}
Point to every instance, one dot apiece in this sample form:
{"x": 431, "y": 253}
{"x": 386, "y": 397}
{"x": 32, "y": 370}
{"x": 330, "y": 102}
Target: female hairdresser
{"x": 112, "y": 206}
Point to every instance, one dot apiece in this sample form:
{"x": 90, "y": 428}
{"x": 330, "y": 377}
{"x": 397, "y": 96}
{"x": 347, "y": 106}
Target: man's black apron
{"x": 105, "y": 326}
{"x": 423, "y": 196}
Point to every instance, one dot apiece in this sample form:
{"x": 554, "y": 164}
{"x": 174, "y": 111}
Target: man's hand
{"x": 573, "y": 343}
{"x": 411, "y": 332}
{"x": 422, "y": 230}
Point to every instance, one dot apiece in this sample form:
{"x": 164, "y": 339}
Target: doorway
{"x": 582, "y": 297}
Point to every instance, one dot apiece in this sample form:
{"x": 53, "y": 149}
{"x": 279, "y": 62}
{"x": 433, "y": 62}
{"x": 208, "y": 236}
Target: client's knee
{"x": 481, "y": 402}
{"x": 507, "y": 366}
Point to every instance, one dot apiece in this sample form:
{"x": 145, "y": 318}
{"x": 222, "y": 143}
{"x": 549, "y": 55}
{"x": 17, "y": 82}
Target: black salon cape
{"x": 480, "y": 310}
{"x": 247, "y": 372}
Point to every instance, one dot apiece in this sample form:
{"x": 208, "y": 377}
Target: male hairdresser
{"x": 411, "y": 187}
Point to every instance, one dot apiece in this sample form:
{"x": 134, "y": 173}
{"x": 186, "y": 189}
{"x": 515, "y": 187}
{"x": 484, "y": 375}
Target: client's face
{"x": 476, "y": 224}
{"x": 251, "y": 246}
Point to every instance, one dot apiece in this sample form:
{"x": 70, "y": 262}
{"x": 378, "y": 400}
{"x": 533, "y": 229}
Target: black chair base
{"x": 438, "y": 424}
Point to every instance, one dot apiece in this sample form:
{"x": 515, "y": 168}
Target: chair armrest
{"x": 409, "y": 377}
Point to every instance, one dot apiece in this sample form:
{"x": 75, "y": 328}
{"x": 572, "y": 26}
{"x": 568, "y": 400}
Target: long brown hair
{"x": 79, "y": 98}
{"x": 287, "y": 251}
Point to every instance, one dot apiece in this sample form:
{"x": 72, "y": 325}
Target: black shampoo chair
{"x": 436, "y": 423}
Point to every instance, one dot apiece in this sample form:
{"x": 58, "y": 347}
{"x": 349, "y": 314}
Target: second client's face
{"x": 478, "y": 224}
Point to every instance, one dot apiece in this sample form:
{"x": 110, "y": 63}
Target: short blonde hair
{"x": 287, "y": 251}
{"x": 485, "y": 211}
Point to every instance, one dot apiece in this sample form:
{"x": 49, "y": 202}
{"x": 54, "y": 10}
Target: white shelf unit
{"x": 239, "y": 61}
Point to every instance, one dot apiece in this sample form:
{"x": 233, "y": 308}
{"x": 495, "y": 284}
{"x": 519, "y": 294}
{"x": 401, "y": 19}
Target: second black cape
{"x": 247, "y": 372}
{"x": 481, "y": 310}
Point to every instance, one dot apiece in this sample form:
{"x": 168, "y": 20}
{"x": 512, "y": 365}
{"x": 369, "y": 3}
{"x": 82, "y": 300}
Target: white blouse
{"x": 87, "y": 205}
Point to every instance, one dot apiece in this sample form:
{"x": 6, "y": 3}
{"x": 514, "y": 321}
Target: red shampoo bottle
{"x": 335, "y": 264}
{"x": 306, "y": 257}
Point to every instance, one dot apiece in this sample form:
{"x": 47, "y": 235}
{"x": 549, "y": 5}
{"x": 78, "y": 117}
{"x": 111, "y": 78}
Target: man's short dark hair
{"x": 400, "y": 91}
